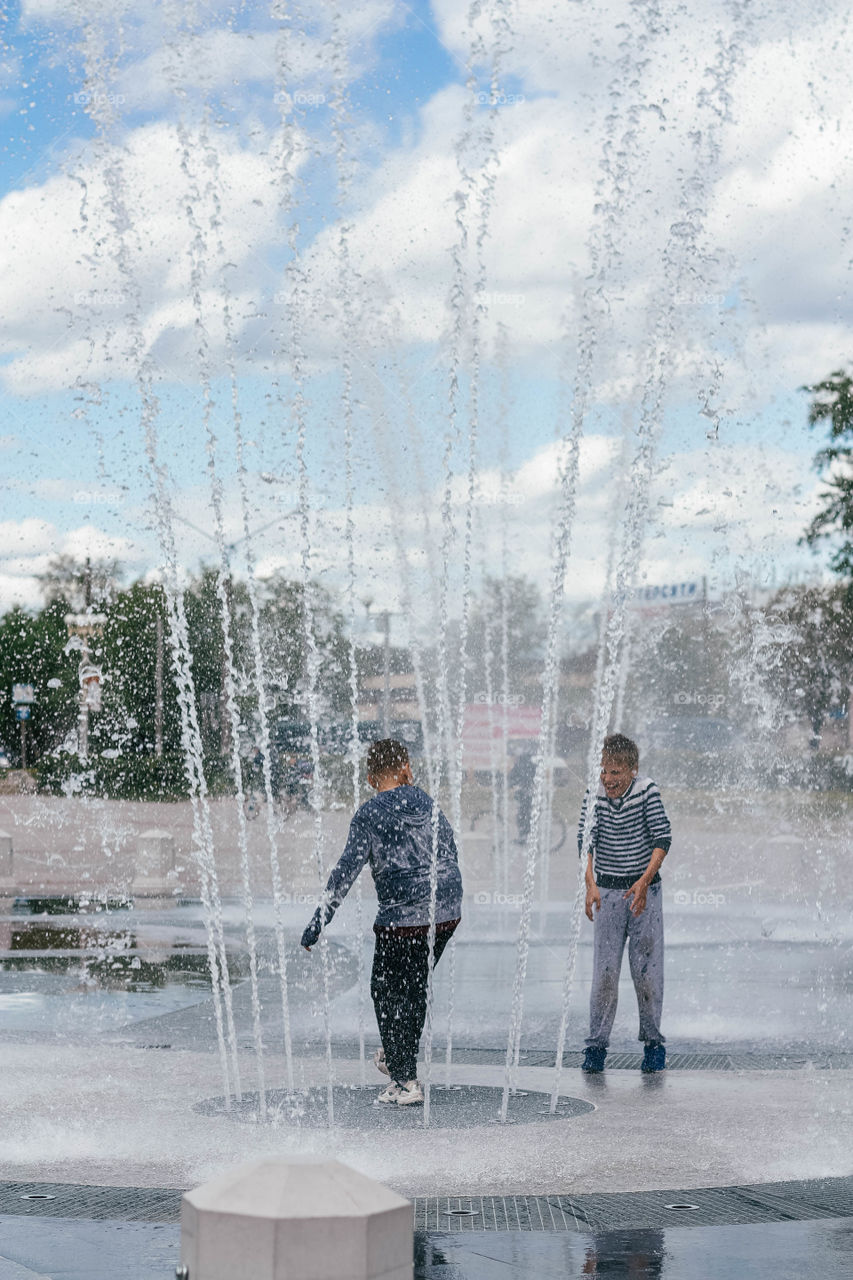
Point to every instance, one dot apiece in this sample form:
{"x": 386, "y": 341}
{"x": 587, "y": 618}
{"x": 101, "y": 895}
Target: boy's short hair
{"x": 386, "y": 755}
{"x": 622, "y": 748}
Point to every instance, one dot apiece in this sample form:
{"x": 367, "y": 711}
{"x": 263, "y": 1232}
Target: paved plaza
{"x": 113, "y": 1093}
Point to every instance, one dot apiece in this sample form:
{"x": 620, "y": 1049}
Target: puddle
{"x": 106, "y": 956}
{"x": 65, "y": 972}
{"x": 75, "y": 974}
{"x": 68, "y": 905}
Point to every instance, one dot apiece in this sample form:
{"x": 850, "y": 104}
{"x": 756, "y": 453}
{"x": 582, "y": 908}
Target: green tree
{"x": 207, "y": 646}
{"x": 832, "y": 404}
{"x": 283, "y": 639}
{"x": 32, "y": 651}
{"x": 814, "y": 678}
{"x": 122, "y": 734}
{"x": 128, "y": 653}
{"x": 80, "y": 583}
{"x": 521, "y": 602}
{"x": 681, "y": 665}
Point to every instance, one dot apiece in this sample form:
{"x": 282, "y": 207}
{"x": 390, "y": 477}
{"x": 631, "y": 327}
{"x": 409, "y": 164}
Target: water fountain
{"x": 436, "y": 438}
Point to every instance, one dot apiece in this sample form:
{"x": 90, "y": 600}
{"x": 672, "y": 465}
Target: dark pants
{"x": 398, "y": 985}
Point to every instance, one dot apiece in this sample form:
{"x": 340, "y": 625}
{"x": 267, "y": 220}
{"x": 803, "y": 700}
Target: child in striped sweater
{"x": 628, "y": 838}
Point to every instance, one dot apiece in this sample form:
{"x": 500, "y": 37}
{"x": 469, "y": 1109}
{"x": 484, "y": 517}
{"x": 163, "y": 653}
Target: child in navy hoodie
{"x": 401, "y": 833}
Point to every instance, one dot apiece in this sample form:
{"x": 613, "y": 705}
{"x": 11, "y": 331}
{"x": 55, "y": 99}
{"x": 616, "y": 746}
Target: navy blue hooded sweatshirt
{"x": 393, "y": 832}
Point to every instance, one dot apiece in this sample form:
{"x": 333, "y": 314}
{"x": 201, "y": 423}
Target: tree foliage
{"x": 517, "y": 601}
{"x": 832, "y": 404}
{"x": 32, "y": 651}
{"x": 80, "y": 583}
{"x": 122, "y": 734}
{"x": 814, "y": 678}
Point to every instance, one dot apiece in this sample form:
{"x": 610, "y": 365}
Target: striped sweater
{"x": 625, "y": 833}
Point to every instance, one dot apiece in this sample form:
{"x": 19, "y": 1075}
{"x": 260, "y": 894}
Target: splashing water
{"x": 103, "y": 113}
{"x": 223, "y": 582}
{"x": 340, "y": 111}
{"x": 679, "y": 257}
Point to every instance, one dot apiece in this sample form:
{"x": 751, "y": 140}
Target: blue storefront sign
{"x": 669, "y": 593}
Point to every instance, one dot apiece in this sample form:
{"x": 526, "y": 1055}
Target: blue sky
{"x": 767, "y": 204}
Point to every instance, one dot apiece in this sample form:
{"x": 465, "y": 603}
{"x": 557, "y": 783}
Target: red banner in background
{"x": 483, "y": 732}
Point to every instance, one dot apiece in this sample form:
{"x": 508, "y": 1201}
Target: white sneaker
{"x": 409, "y": 1093}
{"x": 390, "y": 1093}
{"x": 379, "y": 1062}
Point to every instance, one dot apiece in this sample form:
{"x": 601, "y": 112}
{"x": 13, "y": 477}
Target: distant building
{"x": 402, "y": 696}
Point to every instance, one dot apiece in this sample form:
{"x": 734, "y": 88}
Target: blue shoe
{"x": 593, "y": 1060}
{"x": 654, "y": 1058}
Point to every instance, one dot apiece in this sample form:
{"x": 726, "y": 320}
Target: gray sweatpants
{"x": 644, "y": 933}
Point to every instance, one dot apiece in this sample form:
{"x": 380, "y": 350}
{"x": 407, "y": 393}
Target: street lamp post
{"x": 158, "y": 689}
{"x": 23, "y": 695}
{"x": 386, "y": 671}
{"x": 82, "y": 628}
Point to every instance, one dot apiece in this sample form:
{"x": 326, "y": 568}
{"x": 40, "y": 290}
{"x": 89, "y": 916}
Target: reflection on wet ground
{"x": 107, "y": 957}
{"x": 777, "y": 1251}
{"x": 69, "y": 1249}
{"x": 72, "y": 967}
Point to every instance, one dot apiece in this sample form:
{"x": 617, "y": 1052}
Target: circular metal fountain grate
{"x": 457, "y": 1107}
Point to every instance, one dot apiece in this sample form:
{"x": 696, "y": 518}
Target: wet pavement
{"x": 780, "y": 1251}
{"x": 112, "y": 1077}
{"x": 742, "y": 978}
{"x": 112, "y": 1073}
{"x": 71, "y": 1249}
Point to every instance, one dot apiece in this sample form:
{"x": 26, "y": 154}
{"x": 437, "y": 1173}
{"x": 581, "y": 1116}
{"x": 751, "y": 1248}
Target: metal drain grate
{"x": 633, "y": 1210}
{"x": 71, "y": 1200}
{"x": 495, "y": 1213}
{"x": 771, "y": 1202}
{"x": 717, "y": 1060}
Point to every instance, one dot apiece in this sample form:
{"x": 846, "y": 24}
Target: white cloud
{"x": 62, "y": 288}
{"x": 709, "y": 510}
{"x": 156, "y": 57}
{"x": 27, "y": 547}
{"x": 27, "y": 537}
{"x": 766, "y": 303}
{"x": 771, "y": 191}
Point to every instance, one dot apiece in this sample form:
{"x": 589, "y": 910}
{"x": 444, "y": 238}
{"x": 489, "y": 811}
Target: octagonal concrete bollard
{"x": 296, "y": 1219}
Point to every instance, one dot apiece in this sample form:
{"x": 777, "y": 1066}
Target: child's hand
{"x": 638, "y": 893}
{"x": 593, "y": 899}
